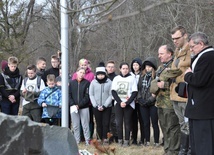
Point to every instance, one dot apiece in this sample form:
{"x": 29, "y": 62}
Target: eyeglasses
{"x": 177, "y": 38}
{"x": 192, "y": 46}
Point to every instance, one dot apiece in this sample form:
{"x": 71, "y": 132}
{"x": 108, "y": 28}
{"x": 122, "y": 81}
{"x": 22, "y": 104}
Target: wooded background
{"x": 99, "y": 30}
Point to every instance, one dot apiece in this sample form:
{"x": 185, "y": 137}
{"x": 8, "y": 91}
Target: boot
{"x": 116, "y": 139}
{"x": 120, "y": 142}
{"x": 189, "y": 151}
{"x": 184, "y": 144}
{"x": 126, "y": 143}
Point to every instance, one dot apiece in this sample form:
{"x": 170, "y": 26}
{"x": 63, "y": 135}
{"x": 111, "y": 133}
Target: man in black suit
{"x": 200, "y": 104}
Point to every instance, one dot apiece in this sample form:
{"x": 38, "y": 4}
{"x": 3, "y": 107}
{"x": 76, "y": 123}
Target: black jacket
{"x": 79, "y": 93}
{"x": 112, "y": 75}
{"x": 200, "y": 103}
{"x": 52, "y": 70}
{"x": 10, "y": 83}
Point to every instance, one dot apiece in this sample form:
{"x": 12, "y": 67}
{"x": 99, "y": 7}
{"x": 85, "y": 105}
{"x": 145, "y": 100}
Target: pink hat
{"x": 3, "y": 64}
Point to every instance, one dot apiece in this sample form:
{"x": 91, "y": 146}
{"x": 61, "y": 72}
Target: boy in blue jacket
{"x": 50, "y": 99}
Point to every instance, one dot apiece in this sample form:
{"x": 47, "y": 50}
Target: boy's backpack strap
{"x": 25, "y": 81}
{"x": 51, "y": 93}
{"x": 39, "y": 78}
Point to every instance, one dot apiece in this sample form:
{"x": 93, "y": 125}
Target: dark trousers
{"x": 33, "y": 111}
{"x": 113, "y": 125}
{"x": 136, "y": 116}
{"x": 202, "y": 136}
{"x": 171, "y": 130}
{"x": 51, "y": 121}
{"x": 102, "y": 119}
{"x": 10, "y": 108}
{"x": 91, "y": 122}
{"x": 148, "y": 113}
{"x": 123, "y": 114}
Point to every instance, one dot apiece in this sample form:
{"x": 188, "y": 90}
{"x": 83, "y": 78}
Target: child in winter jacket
{"x": 50, "y": 99}
{"x": 101, "y": 99}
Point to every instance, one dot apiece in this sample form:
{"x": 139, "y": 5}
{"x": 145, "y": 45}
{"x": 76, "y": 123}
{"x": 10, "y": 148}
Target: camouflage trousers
{"x": 171, "y": 130}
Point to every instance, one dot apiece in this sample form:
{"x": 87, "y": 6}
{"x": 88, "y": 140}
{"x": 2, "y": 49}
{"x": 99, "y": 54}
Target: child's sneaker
{"x": 147, "y": 144}
{"x": 87, "y": 143}
{"x": 156, "y": 144}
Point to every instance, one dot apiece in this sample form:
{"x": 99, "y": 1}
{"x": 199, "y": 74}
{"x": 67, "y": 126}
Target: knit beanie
{"x": 101, "y": 69}
{"x": 3, "y": 64}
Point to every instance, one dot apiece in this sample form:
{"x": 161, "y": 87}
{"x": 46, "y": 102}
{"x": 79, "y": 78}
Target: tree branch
{"x": 92, "y": 6}
{"x": 123, "y": 16}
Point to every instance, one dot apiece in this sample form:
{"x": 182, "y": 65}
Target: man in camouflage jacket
{"x": 167, "y": 117}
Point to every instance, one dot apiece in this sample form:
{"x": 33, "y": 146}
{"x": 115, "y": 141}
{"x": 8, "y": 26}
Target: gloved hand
{"x": 181, "y": 89}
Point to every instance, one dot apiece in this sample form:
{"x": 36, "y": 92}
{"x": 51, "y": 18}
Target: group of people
{"x": 182, "y": 88}
{"x": 38, "y": 89}
{"x": 176, "y": 94}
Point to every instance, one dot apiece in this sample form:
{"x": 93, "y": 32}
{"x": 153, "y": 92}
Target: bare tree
{"x": 16, "y": 18}
{"x": 100, "y": 30}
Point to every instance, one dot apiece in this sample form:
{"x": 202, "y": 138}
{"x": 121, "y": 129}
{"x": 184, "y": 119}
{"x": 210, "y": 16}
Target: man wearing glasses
{"x": 182, "y": 60}
{"x": 200, "y": 105}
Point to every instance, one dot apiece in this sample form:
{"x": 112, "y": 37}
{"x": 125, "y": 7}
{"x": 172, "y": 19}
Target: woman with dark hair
{"x": 147, "y": 100}
{"x": 124, "y": 102}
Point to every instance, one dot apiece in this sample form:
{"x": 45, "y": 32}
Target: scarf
{"x": 12, "y": 74}
{"x": 146, "y": 81}
{"x": 102, "y": 80}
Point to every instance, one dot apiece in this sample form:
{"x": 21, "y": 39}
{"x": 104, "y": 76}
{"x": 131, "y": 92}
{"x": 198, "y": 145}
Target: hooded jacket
{"x": 153, "y": 62}
{"x": 139, "y": 61}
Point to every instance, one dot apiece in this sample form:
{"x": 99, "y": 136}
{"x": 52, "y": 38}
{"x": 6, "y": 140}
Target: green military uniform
{"x": 168, "y": 119}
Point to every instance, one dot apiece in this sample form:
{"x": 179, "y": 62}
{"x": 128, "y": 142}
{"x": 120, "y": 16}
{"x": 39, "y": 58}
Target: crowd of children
{"x": 108, "y": 98}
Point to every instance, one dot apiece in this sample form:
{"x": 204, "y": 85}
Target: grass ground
{"x": 118, "y": 150}
{"x": 131, "y": 150}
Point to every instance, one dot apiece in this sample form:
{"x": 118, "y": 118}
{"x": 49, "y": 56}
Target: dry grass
{"x": 131, "y": 150}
